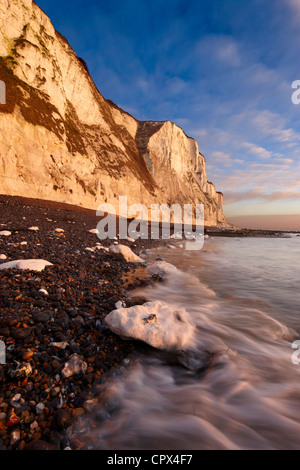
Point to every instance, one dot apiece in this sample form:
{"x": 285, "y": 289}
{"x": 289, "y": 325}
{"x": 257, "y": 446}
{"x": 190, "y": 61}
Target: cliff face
{"x": 61, "y": 140}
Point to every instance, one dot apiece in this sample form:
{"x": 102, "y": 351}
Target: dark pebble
{"x": 21, "y": 333}
{"x": 41, "y": 317}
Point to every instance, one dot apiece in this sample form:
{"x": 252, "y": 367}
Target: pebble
{"x": 15, "y": 437}
{"x": 34, "y": 425}
{"x": 40, "y": 408}
{"x": 61, "y": 345}
{"x": 74, "y": 366}
{"x": 27, "y": 355}
{"x": 43, "y": 291}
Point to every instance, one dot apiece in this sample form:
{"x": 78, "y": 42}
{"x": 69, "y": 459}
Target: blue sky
{"x": 220, "y": 69}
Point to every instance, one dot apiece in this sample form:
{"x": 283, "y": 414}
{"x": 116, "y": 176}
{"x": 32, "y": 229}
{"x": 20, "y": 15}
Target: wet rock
{"x": 161, "y": 268}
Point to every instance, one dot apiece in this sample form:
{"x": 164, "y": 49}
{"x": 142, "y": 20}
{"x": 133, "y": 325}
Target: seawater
{"x": 236, "y": 387}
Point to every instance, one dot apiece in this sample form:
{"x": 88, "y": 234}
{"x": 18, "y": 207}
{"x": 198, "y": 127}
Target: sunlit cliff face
{"x": 63, "y": 141}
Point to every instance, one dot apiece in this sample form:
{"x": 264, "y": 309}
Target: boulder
{"x": 161, "y": 268}
{"x": 124, "y": 253}
{"x": 31, "y": 264}
{"x": 158, "y": 324}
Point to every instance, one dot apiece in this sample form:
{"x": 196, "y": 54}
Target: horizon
{"x": 220, "y": 70}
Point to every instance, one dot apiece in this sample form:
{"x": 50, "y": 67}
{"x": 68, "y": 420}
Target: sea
{"x": 237, "y": 385}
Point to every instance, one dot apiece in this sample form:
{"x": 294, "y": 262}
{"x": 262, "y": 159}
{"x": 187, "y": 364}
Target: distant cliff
{"x": 62, "y": 140}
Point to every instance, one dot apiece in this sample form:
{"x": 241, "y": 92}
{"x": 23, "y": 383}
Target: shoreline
{"x": 209, "y": 230}
{"x": 39, "y": 407}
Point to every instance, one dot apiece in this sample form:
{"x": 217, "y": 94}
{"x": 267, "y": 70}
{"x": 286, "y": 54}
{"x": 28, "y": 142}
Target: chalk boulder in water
{"x": 23, "y": 264}
{"x": 124, "y": 253}
{"x": 161, "y": 325}
{"x": 161, "y": 268}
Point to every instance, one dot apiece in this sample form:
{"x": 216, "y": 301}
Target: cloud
{"x": 259, "y": 152}
{"x": 270, "y": 124}
{"x": 232, "y": 197}
{"x": 222, "y": 158}
{"x": 221, "y": 49}
{"x": 294, "y": 5}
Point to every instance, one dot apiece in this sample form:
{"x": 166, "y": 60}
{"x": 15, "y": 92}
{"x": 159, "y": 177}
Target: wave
{"x": 235, "y": 387}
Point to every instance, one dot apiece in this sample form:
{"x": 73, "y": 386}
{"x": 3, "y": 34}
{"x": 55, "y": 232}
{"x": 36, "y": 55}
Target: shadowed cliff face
{"x": 61, "y": 140}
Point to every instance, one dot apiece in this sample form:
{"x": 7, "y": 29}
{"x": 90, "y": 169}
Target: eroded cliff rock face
{"x": 61, "y": 140}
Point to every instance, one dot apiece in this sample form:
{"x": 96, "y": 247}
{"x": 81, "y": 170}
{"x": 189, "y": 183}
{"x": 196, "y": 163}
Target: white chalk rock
{"x": 59, "y": 230}
{"x": 161, "y": 325}
{"x": 74, "y": 366}
{"x": 119, "y": 304}
{"x": 94, "y": 230}
{"x": 34, "y": 229}
{"x": 43, "y": 291}
{"x": 161, "y": 268}
{"x": 5, "y": 233}
{"x": 124, "y": 253}
{"x": 31, "y": 264}
{"x": 60, "y": 345}
{"x": 3, "y": 257}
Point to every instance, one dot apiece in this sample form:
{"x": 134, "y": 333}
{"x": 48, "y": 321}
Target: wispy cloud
{"x": 258, "y": 151}
{"x": 258, "y": 194}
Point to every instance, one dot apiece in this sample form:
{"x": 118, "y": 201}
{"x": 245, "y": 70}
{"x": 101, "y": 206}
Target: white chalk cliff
{"x": 61, "y": 140}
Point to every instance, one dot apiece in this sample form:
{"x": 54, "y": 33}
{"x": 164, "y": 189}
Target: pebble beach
{"x": 58, "y": 347}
